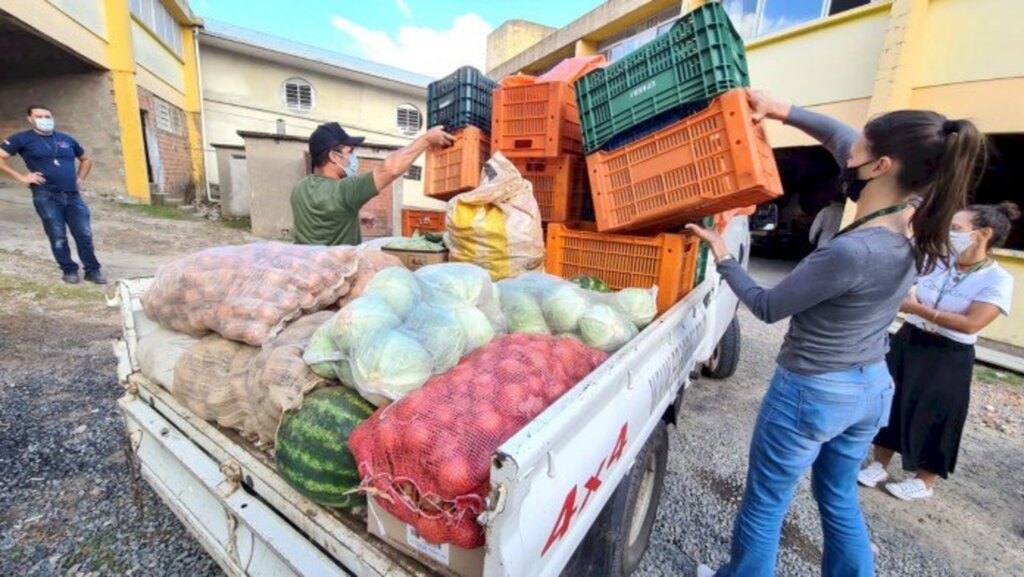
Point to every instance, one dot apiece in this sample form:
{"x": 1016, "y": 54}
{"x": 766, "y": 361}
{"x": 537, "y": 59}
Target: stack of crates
{"x": 669, "y": 139}
{"x": 536, "y": 125}
{"x": 461, "y": 103}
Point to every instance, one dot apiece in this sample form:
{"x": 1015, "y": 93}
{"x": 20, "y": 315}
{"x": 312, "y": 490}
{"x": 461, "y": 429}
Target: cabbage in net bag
{"x": 426, "y": 458}
{"x": 406, "y": 328}
{"x": 497, "y": 225}
{"x": 247, "y": 293}
{"x": 538, "y": 303}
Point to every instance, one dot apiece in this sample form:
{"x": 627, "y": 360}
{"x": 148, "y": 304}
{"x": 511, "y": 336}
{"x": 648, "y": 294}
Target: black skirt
{"x": 932, "y": 375}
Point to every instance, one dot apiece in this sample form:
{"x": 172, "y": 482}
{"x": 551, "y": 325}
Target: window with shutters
{"x": 169, "y": 118}
{"x": 414, "y": 173}
{"x": 409, "y": 119}
{"x": 298, "y": 95}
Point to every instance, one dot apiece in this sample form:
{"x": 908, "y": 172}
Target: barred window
{"x": 414, "y": 173}
{"x": 409, "y": 119}
{"x": 298, "y": 95}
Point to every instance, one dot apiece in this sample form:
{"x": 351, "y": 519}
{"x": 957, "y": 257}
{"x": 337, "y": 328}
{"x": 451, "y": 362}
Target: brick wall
{"x": 381, "y": 206}
{"x": 82, "y": 106}
{"x": 167, "y": 125}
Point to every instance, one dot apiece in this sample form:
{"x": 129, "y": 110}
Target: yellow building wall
{"x": 88, "y": 13}
{"x": 1010, "y": 329}
{"x": 972, "y": 40}
{"x": 244, "y": 93}
{"x": 160, "y": 62}
{"x": 816, "y": 64}
{"x": 63, "y": 28}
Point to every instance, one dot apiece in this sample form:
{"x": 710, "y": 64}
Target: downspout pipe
{"x": 202, "y": 109}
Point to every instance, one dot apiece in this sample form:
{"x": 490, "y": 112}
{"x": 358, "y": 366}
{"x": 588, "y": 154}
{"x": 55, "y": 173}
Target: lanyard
{"x": 959, "y": 279}
{"x": 877, "y": 214}
{"x": 52, "y": 149}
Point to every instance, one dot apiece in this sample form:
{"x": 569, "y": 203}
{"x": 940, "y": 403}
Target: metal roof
{"x": 227, "y": 31}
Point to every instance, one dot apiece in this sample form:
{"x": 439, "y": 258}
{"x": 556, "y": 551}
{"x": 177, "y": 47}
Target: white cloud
{"x": 404, "y": 8}
{"x": 425, "y": 50}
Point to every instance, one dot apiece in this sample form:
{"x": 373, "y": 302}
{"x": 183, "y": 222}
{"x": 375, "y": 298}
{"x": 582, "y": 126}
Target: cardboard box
{"x": 447, "y": 559}
{"x": 414, "y": 259}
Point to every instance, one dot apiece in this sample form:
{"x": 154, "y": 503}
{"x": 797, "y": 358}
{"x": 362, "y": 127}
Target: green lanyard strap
{"x": 877, "y": 214}
{"x": 942, "y": 291}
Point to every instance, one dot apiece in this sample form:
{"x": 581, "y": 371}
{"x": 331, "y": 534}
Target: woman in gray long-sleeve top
{"x": 831, "y": 390}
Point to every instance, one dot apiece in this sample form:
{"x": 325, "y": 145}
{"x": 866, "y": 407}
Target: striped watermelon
{"x": 312, "y": 446}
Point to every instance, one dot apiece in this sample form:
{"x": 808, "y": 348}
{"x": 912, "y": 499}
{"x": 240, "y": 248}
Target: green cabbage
{"x": 522, "y": 313}
{"x": 321, "y": 353}
{"x": 440, "y": 332}
{"x": 454, "y": 284}
{"x": 638, "y": 304}
{"x": 477, "y": 327}
{"x": 398, "y": 287}
{"x": 563, "y": 307}
{"x": 391, "y": 364}
{"x": 366, "y": 314}
{"x": 606, "y": 329}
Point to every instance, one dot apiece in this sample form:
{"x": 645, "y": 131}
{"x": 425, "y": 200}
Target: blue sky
{"x": 432, "y": 37}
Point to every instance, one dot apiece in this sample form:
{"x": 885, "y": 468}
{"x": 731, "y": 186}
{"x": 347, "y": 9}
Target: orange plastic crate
{"x": 421, "y": 220}
{"x": 668, "y": 260}
{"x": 538, "y": 120}
{"x": 711, "y": 162}
{"x": 559, "y": 185}
{"x": 456, "y": 169}
{"x": 572, "y": 69}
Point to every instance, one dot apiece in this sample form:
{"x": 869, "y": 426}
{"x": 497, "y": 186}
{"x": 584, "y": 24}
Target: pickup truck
{"x": 575, "y": 492}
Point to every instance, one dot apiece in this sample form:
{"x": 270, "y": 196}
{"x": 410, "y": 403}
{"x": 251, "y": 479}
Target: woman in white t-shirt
{"x": 931, "y": 358}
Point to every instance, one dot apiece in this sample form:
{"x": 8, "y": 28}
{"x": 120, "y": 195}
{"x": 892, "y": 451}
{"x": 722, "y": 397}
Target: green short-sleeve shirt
{"x": 326, "y": 211}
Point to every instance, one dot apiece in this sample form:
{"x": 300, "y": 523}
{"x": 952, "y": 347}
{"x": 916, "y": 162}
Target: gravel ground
{"x": 70, "y": 505}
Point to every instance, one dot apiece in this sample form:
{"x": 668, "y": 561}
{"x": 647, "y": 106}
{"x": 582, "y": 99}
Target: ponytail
{"x": 940, "y": 160}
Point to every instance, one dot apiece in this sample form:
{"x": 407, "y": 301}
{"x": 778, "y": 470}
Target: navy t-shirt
{"x": 52, "y": 155}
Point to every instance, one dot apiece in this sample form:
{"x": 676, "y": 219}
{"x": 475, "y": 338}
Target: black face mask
{"x": 852, "y": 185}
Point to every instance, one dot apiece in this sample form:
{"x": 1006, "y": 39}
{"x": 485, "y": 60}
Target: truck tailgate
{"x": 238, "y": 507}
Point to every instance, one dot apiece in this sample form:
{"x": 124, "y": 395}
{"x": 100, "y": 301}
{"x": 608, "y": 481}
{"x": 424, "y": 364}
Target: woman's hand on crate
{"x": 764, "y": 105}
{"x": 714, "y": 240}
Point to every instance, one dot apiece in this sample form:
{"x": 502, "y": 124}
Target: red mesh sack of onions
{"x": 426, "y": 458}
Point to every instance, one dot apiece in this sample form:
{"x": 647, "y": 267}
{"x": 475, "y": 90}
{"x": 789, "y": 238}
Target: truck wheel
{"x": 726, "y": 355}
{"x": 618, "y": 539}
{"x": 644, "y": 485}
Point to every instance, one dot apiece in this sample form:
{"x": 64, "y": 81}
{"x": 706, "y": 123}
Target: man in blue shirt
{"x": 54, "y": 179}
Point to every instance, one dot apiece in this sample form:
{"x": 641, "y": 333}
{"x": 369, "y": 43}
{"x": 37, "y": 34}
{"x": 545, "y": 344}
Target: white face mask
{"x": 44, "y": 124}
{"x": 960, "y": 241}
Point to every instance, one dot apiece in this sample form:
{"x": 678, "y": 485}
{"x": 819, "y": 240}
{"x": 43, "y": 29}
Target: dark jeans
{"x": 60, "y": 212}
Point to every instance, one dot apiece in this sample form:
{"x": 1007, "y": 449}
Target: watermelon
{"x": 312, "y": 446}
{"x": 591, "y": 283}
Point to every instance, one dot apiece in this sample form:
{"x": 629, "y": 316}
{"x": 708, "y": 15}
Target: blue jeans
{"x": 63, "y": 211}
{"x": 825, "y": 422}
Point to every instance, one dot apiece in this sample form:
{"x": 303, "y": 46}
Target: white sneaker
{"x": 909, "y": 490}
{"x": 872, "y": 475}
{"x": 705, "y": 571}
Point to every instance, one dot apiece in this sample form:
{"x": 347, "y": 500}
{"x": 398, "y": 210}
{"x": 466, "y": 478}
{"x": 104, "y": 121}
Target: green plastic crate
{"x": 700, "y": 57}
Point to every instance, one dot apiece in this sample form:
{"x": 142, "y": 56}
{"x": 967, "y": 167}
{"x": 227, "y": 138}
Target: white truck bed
{"x": 549, "y": 482}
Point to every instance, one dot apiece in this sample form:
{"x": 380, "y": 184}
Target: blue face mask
{"x": 353, "y": 164}
{"x": 44, "y": 124}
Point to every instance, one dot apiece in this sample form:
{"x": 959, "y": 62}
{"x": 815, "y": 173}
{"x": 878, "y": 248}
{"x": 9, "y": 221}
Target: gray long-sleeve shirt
{"x": 843, "y": 296}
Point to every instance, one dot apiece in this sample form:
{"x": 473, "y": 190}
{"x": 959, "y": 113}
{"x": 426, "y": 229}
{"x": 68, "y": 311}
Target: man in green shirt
{"x": 326, "y": 204}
